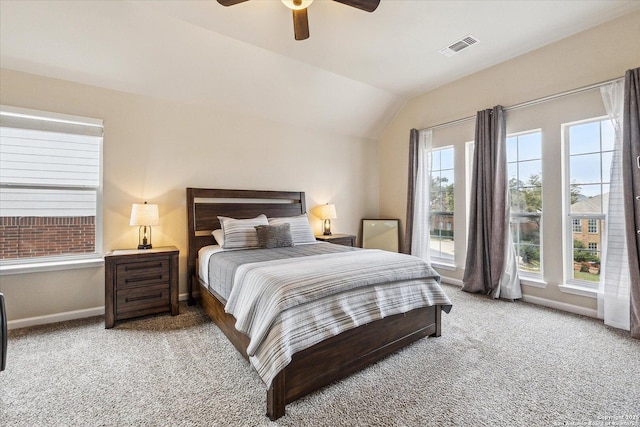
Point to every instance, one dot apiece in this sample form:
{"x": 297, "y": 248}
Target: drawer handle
{"x": 143, "y": 297}
{"x": 141, "y": 267}
{"x": 142, "y": 279}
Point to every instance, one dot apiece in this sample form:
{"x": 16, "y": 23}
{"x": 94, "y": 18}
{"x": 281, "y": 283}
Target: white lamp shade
{"x": 144, "y": 214}
{"x": 328, "y": 212}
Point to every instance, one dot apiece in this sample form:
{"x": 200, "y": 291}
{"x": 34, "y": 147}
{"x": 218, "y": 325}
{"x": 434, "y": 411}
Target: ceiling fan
{"x": 299, "y": 8}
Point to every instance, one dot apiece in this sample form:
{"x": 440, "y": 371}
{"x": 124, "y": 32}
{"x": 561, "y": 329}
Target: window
{"x": 589, "y": 146}
{"x": 50, "y": 187}
{"x": 524, "y": 163}
{"x": 577, "y": 225}
{"x": 441, "y": 204}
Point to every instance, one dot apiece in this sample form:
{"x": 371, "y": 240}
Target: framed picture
{"x": 381, "y": 234}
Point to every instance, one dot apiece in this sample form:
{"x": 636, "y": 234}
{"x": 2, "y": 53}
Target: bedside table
{"x": 139, "y": 282}
{"x": 339, "y": 239}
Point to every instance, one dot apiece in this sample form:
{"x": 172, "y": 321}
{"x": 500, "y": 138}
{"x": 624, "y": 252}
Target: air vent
{"x": 459, "y": 45}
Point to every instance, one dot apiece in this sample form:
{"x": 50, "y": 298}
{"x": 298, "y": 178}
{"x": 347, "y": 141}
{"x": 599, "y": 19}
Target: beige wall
{"x": 154, "y": 149}
{"x": 600, "y": 54}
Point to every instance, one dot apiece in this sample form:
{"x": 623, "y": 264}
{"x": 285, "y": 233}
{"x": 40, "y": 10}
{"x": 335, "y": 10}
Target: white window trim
{"x": 70, "y": 261}
{"x": 93, "y": 261}
{"x": 570, "y": 285}
{"x": 527, "y": 277}
{"x": 442, "y": 262}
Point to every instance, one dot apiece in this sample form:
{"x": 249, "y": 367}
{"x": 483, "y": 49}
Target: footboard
{"x": 348, "y": 352}
{"x": 333, "y": 358}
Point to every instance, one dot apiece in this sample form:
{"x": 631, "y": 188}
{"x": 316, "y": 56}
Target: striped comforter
{"x": 288, "y": 305}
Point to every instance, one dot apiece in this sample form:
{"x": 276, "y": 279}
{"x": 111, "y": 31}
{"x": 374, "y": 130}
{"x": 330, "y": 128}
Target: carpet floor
{"x": 497, "y": 363}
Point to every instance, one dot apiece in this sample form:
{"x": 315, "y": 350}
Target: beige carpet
{"x": 496, "y": 364}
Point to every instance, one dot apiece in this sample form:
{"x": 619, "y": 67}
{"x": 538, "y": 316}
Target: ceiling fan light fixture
{"x": 297, "y": 4}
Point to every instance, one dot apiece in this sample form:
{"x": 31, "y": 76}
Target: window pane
{"x": 50, "y": 171}
{"x": 608, "y": 135}
{"x": 446, "y": 159}
{"x": 435, "y": 160}
{"x": 446, "y": 178}
{"x": 525, "y": 183}
{"x": 512, "y": 170}
{"x": 586, "y": 254}
{"x": 584, "y": 138}
{"x": 606, "y": 166}
{"x": 588, "y": 199}
{"x": 529, "y": 146}
{"x": 585, "y": 168}
{"x": 442, "y": 204}
{"x": 526, "y": 235}
{"x": 530, "y": 169}
{"x": 38, "y": 223}
{"x": 512, "y": 149}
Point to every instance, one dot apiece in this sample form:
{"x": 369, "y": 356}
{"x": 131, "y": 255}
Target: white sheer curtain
{"x": 420, "y": 233}
{"x": 615, "y": 281}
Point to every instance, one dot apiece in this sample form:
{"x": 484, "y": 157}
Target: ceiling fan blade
{"x": 300, "y": 24}
{"x": 366, "y": 5}
{"x": 230, "y": 2}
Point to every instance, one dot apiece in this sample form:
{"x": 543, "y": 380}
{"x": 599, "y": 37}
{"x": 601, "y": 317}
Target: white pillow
{"x": 301, "y": 231}
{"x": 241, "y": 233}
{"x": 219, "y": 236}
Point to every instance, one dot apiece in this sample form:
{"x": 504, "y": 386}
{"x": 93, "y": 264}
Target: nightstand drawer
{"x": 147, "y": 298}
{"x": 134, "y": 274}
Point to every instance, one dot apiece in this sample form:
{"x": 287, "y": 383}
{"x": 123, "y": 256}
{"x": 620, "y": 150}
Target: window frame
{"x": 66, "y": 261}
{"x": 577, "y": 286}
{"x": 536, "y": 276}
{"x": 442, "y": 261}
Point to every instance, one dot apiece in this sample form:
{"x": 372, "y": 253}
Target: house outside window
{"x": 577, "y": 225}
{"x": 441, "y": 207}
{"x": 589, "y": 149}
{"x": 50, "y": 187}
{"x": 524, "y": 163}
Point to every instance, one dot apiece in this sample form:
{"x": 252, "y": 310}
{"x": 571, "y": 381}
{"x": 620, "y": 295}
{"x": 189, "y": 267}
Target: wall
{"x": 599, "y": 54}
{"x": 154, "y": 149}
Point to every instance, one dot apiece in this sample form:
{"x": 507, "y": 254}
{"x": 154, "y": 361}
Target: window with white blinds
{"x": 50, "y": 184}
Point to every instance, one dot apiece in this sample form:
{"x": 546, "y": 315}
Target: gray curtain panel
{"x": 488, "y": 218}
{"x": 631, "y": 187}
{"x": 411, "y": 189}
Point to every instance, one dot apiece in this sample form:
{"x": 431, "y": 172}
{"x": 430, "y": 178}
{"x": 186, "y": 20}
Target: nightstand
{"x": 339, "y": 239}
{"x": 139, "y": 282}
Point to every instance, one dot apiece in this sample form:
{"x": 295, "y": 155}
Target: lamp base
{"x": 144, "y": 246}
{"x": 327, "y": 233}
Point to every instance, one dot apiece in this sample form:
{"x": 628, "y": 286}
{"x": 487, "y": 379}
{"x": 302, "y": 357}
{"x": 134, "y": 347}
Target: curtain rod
{"x": 529, "y": 103}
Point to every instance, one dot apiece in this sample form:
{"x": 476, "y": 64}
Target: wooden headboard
{"x": 204, "y": 205}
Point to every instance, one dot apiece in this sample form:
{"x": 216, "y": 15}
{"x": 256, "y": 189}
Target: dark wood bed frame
{"x": 325, "y": 362}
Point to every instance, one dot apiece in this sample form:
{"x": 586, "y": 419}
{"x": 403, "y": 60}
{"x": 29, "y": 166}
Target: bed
{"x": 324, "y": 362}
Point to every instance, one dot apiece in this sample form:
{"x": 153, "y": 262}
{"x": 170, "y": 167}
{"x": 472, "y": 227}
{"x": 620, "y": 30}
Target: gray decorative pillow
{"x": 274, "y": 236}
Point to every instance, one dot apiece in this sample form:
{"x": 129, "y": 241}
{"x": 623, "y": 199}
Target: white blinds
{"x": 50, "y": 164}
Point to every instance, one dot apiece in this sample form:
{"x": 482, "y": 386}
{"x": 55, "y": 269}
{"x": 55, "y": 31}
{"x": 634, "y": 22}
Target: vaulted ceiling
{"x": 350, "y": 77}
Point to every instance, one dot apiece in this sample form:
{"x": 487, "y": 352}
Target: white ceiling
{"x": 350, "y": 77}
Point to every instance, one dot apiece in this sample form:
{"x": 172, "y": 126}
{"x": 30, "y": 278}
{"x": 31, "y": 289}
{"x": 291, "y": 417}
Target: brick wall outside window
{"x": 30, "y": 237}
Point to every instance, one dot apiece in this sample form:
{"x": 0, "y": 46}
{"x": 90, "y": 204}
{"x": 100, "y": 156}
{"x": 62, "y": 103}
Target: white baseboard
{"x": 540, "y": 301}
{"x": 589, "y": 312}
{"x": 61, "y": 317}
{"x": 54, "y": 318}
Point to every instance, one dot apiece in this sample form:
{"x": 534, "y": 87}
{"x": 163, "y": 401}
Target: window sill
{"x": 536, "y": 282}
{"x": 443, "y": 266}
{"x": 579, "y": 290}
{"x": 37, "y": 267}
